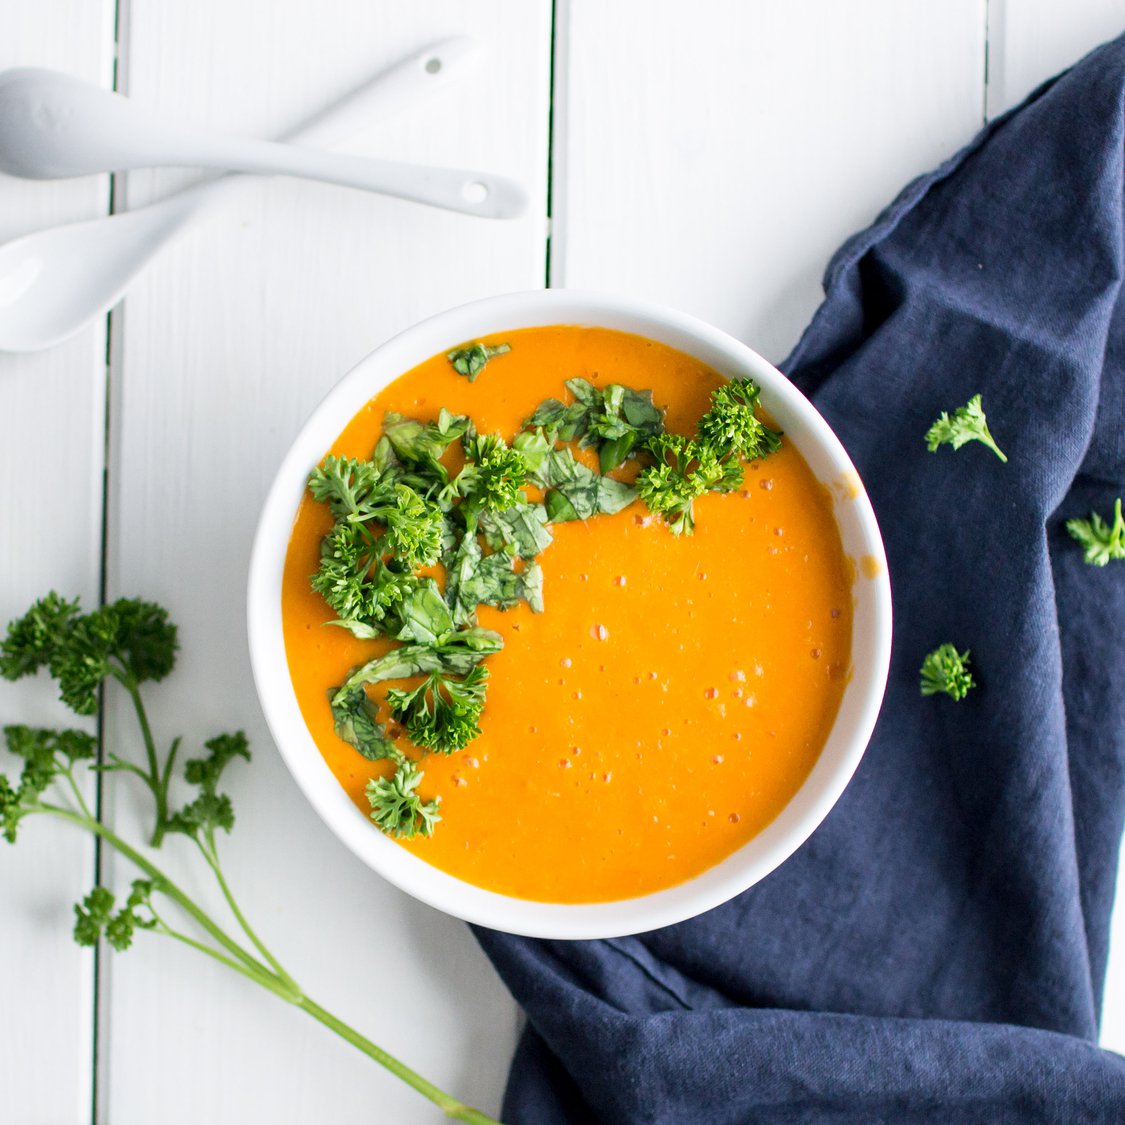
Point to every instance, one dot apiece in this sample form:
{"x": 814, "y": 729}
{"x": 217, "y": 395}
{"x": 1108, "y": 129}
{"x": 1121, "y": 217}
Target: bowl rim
{"x": 858, "y": 527}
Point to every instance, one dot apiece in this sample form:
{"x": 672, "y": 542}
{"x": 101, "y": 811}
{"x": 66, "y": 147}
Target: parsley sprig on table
{"x": 129, "y": 641}
{"x": 132, "y": 642}
{"x": 405, "y": 509}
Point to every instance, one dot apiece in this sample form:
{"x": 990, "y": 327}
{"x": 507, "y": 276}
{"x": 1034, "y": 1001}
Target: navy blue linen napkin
{"x": 937, "y": 950}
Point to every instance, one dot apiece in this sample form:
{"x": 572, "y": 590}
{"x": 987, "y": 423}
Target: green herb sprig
{"x": 132, "y": 642}
{"x": 967, "y": 423}
{"x": 442, "y": 713}
{"x": 711, "y": 461}
{"x": 945, "y": 670}
{"x": 615, "y": 420}
{"x": 396, "y": 807}
{"x": 1102, "y": 541}
{"x": 129, "y": 641}
{"x": 472, "y": 359}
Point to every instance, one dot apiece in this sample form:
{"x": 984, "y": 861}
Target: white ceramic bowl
{"x": 871, "y": 633}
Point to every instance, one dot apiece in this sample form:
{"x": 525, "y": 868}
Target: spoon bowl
{"x": 48, "y": 288}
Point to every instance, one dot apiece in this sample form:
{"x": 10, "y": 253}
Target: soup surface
{"x": 674, "y": 694}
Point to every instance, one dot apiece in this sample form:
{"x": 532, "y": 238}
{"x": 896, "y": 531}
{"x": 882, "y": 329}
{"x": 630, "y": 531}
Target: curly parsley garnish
{"x": 401, "y": 511}
{"x": 1102, "y": 541}
{"x": 493, "y": 477}
{"x": 396, "y": 807}
{"x": 442, "y": 713}
{"x": 946, "y": 670}
{"x": 684, "y": 470}
{"x": 731, "y": 426}
{"x": 967, "y": 423}
{"x": 711, "y": 461}
{"x": 95, "y": 916}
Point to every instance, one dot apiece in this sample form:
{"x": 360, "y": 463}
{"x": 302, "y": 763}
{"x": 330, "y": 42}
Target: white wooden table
{"x": 710, "y": 155}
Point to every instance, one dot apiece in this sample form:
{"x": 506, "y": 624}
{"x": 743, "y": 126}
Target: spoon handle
{"x": 473, "y": 193}
{"x": 399, "y": 86}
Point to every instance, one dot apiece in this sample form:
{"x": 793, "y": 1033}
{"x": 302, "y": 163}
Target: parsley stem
{"x": 119, "y": 764}
{"x": 986, "y": 438}
{"x": 450, "y": 1106}
{"x": 211, "y": 855}
{"x": 74, "y": 788}
{"x": 132, "y": 642}
{"x": 265, "y": 979}
{"x": 279, "y": 983}
{"x": 166, "y": 778}
{"x": 167, "y": 887}
{"x": 159, "y": 787}
{"x": 282, "y": 985}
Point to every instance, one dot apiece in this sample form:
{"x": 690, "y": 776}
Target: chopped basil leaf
{"x": 471, "y": 360}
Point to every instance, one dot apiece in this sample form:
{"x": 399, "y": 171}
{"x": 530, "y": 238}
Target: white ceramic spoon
{"x": 55, "y": 281}
{"x": 54, "y": 126}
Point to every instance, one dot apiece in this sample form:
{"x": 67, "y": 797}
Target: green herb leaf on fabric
{"x": 967, "y": 423}
{"x": 946, "y": 671}
{"x": 1102, "y": 542}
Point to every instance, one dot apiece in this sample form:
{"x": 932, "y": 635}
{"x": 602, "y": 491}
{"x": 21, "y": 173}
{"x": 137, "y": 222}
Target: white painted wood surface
{"x": 52, "y": 422}
{"x": 1031, "y": 40}
{"x": 711, "y": 160}
{"x": 715, "y": 163}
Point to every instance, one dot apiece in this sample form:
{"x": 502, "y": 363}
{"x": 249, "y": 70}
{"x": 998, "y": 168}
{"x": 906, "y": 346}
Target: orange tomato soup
{"x": 674, "y": 694}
